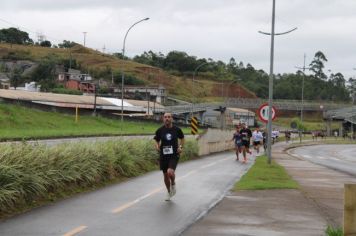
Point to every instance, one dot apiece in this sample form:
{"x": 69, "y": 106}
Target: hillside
{"x": 97, "y": 63}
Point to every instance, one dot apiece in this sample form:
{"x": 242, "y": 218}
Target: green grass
{"x": 310, "y": 124}
{"x": 264, "y": 176}
{"x": 18, "y": 122}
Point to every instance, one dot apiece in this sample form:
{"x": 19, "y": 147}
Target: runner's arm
{"x": 181, "y": 145}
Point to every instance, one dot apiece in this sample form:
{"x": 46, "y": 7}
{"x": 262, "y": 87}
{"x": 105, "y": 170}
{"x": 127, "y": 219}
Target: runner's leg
{"x": 237, "y": 152}
{"x": 167, "y": 181}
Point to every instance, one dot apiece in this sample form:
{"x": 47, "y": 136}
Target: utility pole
{"x": 302, "y": 108}
{"x": 270, "y": 84}
{"x": 85, "y": 35}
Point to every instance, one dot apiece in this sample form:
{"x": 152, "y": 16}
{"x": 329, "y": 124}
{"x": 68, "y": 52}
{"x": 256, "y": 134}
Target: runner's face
{"x": 167, "y": 119}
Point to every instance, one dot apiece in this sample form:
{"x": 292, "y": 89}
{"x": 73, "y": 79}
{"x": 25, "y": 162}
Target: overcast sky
{"x": 217, "y": 29}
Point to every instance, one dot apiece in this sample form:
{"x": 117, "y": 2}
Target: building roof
{"x": 240, "y": 110}
{"x": 82, "y": 101}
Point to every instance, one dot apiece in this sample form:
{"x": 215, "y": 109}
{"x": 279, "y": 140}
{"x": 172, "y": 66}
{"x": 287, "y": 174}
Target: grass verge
{"x": 264, "y": 176}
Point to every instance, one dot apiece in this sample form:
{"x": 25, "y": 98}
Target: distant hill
{"x": 98, "y": 63}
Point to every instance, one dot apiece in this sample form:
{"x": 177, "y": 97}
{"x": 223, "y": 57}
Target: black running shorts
{"x": 246, "y": 143}
{"x": 166, "y": 163}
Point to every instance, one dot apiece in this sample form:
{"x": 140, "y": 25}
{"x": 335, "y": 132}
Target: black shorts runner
{"x": 246, "y": 143}
{"x": 166, "y": 163}
{"x": 255, "y": 143}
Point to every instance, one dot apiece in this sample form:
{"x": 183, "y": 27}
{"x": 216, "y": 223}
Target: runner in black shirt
{"x": 167, "y": 138}
{"x": 246, "y": 135}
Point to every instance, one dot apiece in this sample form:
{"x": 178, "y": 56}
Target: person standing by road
{"x": 245, "y": 135}
{"x": 169, "y": 142}
{"x": 237, "y": 141}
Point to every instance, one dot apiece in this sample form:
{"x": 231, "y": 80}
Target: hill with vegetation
{"x": 108, "y": 67}
{"x": 214, "y": 80}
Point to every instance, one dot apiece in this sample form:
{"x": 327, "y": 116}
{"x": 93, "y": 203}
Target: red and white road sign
{"x": 263, "y": 112}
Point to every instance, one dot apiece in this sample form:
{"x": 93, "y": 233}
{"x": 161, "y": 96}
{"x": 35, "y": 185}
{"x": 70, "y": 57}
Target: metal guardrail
{"x": 255, "y": 103}
{"x": 285, "y": 104}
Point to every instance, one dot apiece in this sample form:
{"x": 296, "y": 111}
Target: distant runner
{"x": 166, "y": 138}
{"x": 237, "y": 137}
{"x": 245, "y": 135}
{"x": 257, "y": 139}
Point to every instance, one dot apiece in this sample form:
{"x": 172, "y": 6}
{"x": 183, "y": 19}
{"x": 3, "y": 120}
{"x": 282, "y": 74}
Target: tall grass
{"x": 30, "y": 173}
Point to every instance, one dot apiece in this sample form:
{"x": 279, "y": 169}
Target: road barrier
{"x": 349, "y": 209}
{"x": 194, "y": 125}
{"x": 215, "y": 140}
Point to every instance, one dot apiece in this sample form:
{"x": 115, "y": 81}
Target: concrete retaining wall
{"x": 215, "y": 140}
{"x": 350, "y": 210}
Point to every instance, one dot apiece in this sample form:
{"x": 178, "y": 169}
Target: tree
{"x": 352, "y": 88}
{"x": 14, "y": 36}
{"x": 317, "y": 65}
{"x": 46, "y": 43}
{"x": 15, "y": 77}
{"x": 338, "y": 80}
{"x": 232, "y": 66}
{"x": 67, "y": 44}
{"x": 44, "y": 74}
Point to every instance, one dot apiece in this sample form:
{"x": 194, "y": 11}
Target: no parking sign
{"x": 263, "y": 112}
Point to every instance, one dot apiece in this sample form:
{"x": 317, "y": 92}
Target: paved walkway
{"x": 307, "y": 211}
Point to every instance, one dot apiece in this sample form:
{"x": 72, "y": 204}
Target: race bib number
{"x": 167, "y": 150}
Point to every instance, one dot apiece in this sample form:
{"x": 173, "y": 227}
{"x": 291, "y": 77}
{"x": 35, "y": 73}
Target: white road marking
{"x": 75, "y": 230}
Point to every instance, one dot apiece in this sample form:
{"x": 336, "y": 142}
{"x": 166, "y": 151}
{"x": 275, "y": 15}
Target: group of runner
{"x": 242, "y": 139}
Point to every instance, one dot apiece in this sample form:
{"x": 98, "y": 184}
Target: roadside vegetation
{"x": 307, "y": 125}
{"x": 21, "y": 123}
{"x": 331, "y": 231}
{"x": 264, "y": 176}
{"x": 32, "y": 175}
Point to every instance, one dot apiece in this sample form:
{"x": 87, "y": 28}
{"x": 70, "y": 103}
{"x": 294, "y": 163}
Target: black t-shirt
{"x": 169, "y": 140}
{"x": 246, "y": 134}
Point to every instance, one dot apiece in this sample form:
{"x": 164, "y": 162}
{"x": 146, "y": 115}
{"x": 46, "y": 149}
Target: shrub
{"x": 67, "y": 91}
{"x": 331, "y": 231}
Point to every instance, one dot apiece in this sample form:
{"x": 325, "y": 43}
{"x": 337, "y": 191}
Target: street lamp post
{"x": 123, "y": 75}
{"x": 302, "y": 108}
{"x": 353, "y": 103}
{"x": 193, "y": 95}
{"x": 270, "y": 84}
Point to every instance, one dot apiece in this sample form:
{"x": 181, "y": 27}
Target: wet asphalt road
{"x": 137, "y": 206}
{"x": 338, "y": 157}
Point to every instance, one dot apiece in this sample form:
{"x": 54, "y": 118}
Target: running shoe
{"x": 168, "y": 196}
{"x": 173, "y": 190}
